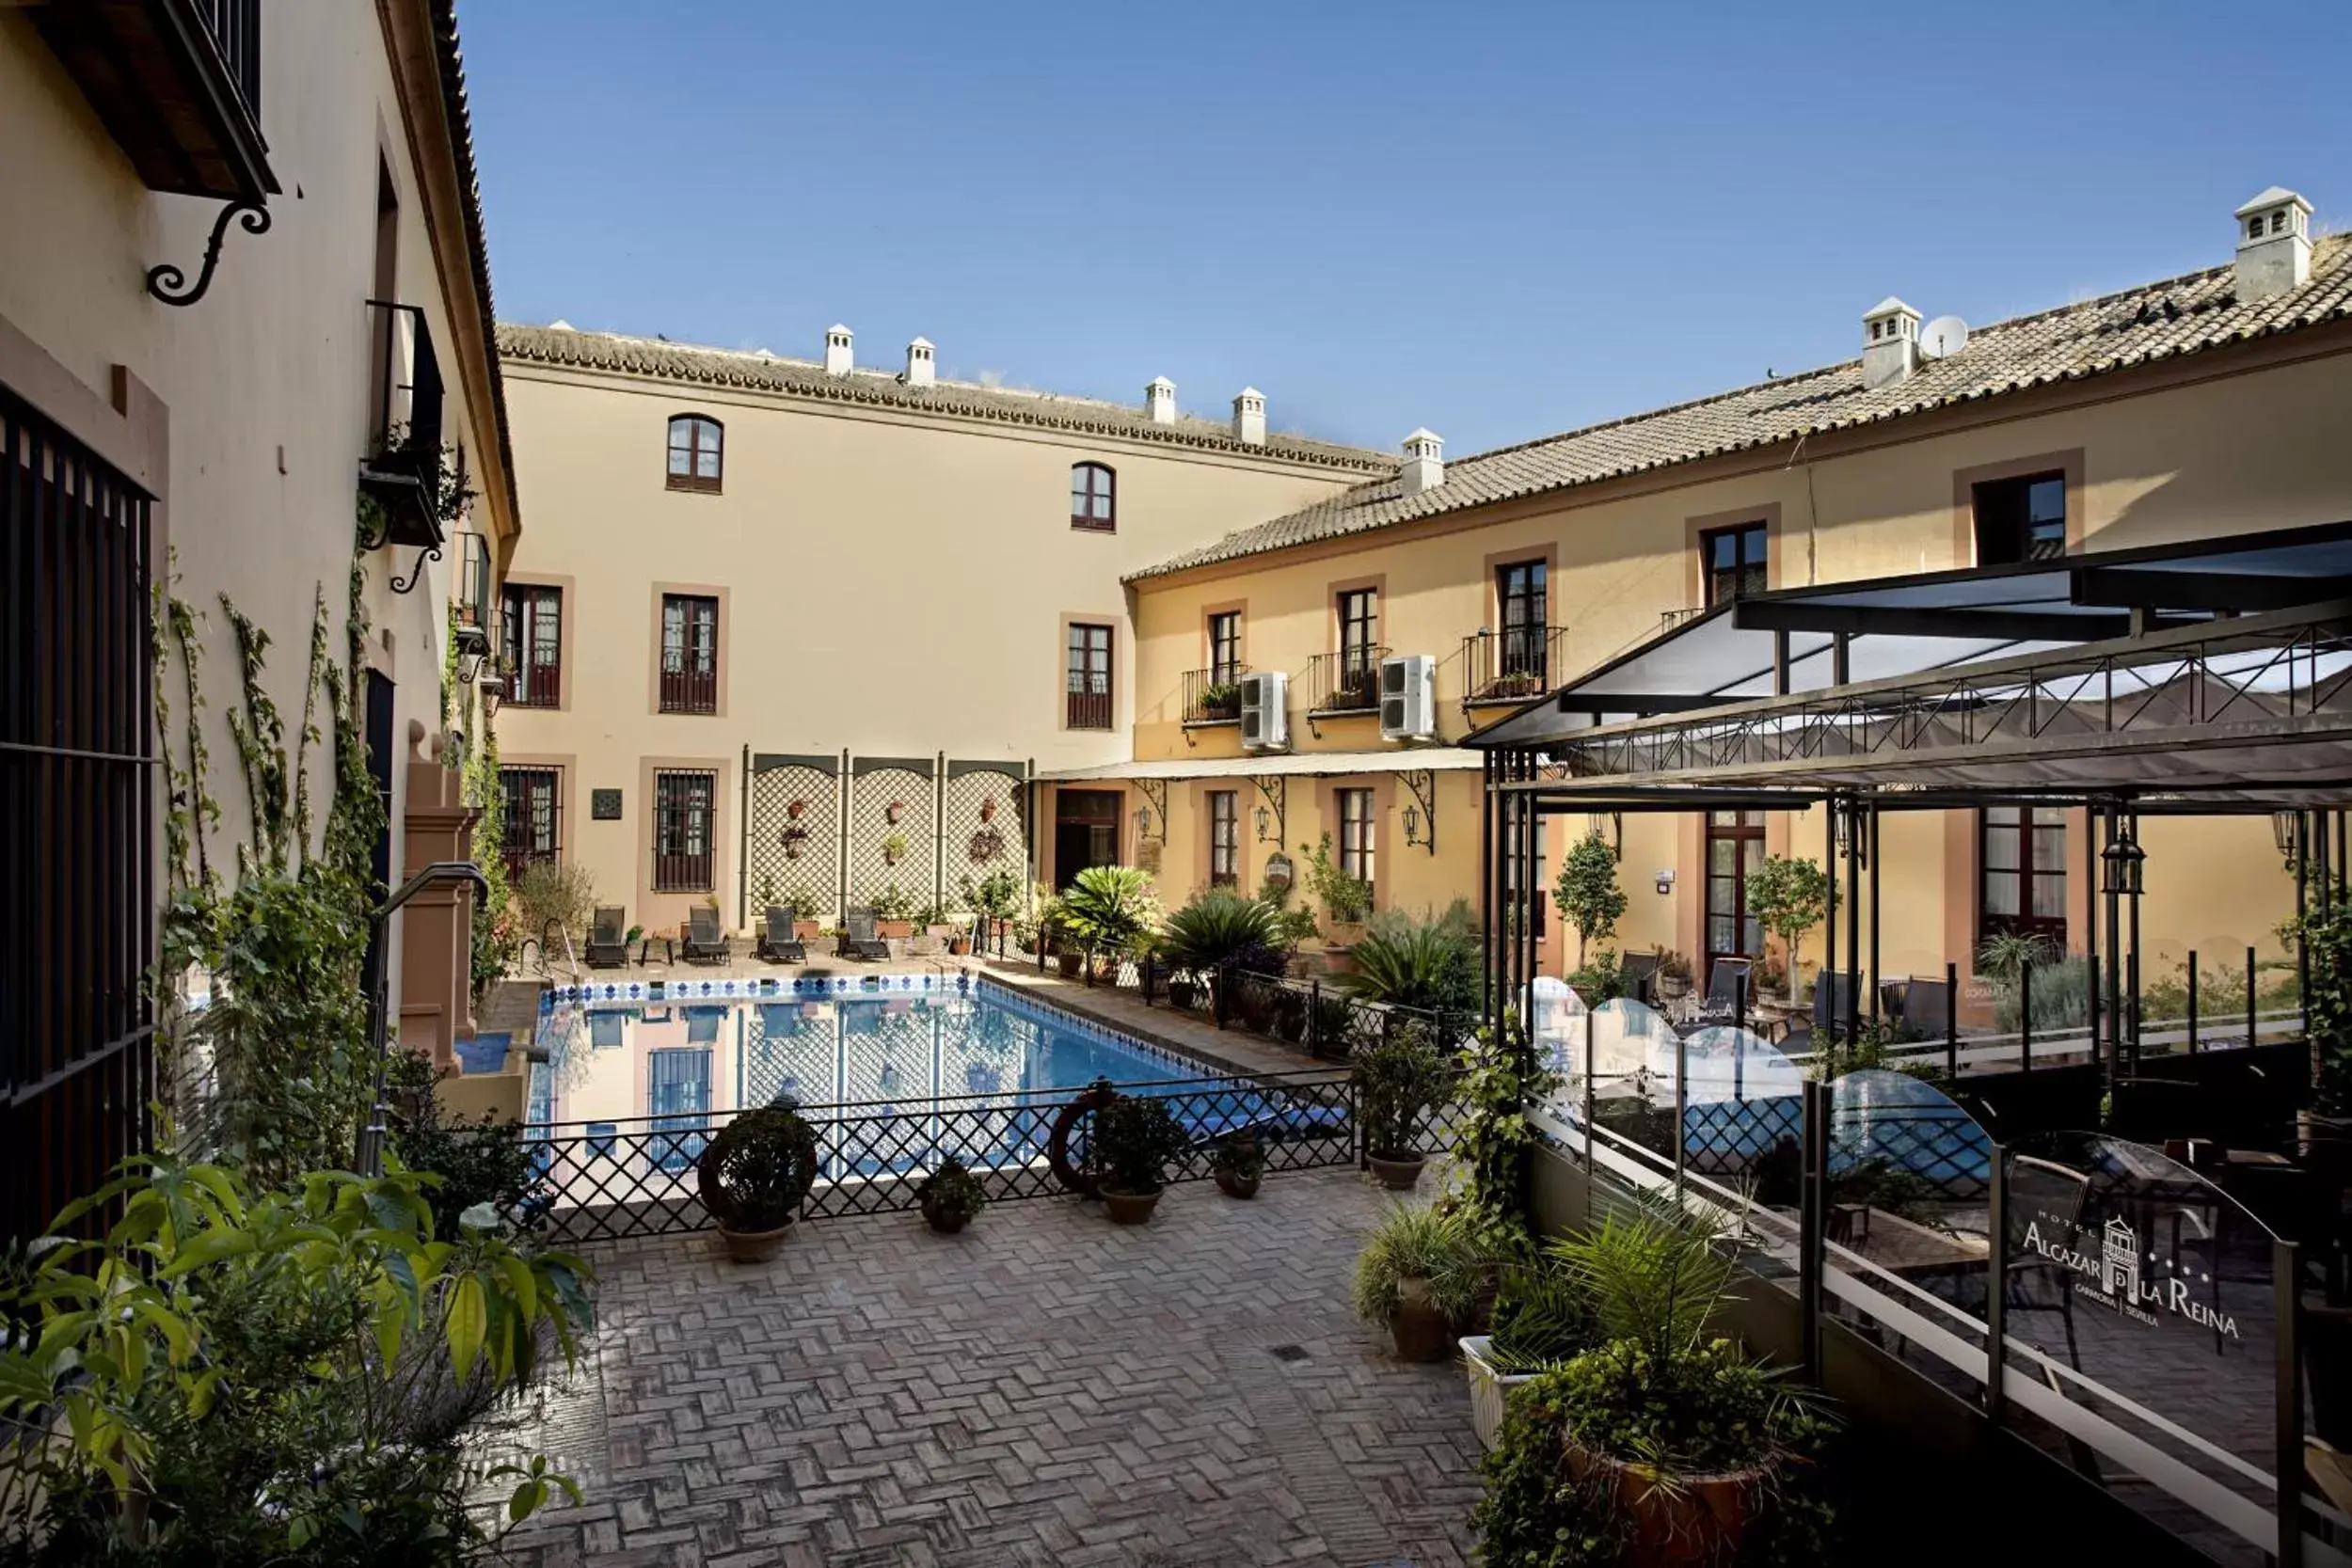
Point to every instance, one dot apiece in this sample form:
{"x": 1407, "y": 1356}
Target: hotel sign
{"x": 2112, "y": 1267}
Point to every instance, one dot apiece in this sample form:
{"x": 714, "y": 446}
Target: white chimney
{"x": 2274, "y": 244}
{"x": 1250, "y": 417}
{"x": 1890, "y": 342}
{"x": 837, "y": 360}
{"x": 919, "y": 367}
{"x": 1424, "y": 462}
{"x": 1159, "y": 400}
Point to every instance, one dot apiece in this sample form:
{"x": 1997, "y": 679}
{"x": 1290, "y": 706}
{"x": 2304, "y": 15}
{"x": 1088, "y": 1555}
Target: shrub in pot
{"x": 753, "y": 1175}
{"x": 1542, "y": 1319}
{"x": 1238, "y": 1164}
{"x": 1396, "y": 1081}
{"x": 951, "y": 1196}
{"x": 1135, "y": 1139}
{"x": 1418, "y": 1276}
{"x": 1184, "y": 992}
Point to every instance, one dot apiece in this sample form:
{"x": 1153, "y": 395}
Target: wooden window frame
{"x": 1762, "y": 566}
{"x": 1082, "y": 708}
{"x": 1224, "y": 838}
{"x": 1359, "y": 811}
{"x": 1738, "y": 833}
{"x": 1100, "y": 503}
{"x": 521, "y": 632}
{"x": 1358, "y": 634}
{"x": 693, "y": 480}
{"x": 2028, "y": 870}
{"x": 685, "y": 689}
{"x": 1224, "y": 651}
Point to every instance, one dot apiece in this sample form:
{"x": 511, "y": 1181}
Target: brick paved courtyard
{"x": 1046, "y": 1389}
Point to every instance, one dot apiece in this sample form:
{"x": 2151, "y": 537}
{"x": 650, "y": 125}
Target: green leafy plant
{"x": 1586, "y": 893}
{"x": 1494, "y": 1141}
{"x": 953, "y": 1191}
{"x": 1111, "y": 908}
{"x": 2326, "y": 933}
{"x": 1216, "y": 927}
{"x": 558, "y": 893}
{"x": 893, "y": 903}
{"x": 1222, "y": 698}
{"x": 1673, "y": 965}
{"x": 1346, "y": 900}
{"x": 1135, "y": 1138}
{"x": 1423, "y": 1242}
{"x": 1240, "y": 1154}
{"x": 996, "y": 896}
{"x": 1653, "y": 1275}
{"x": 1788, "y": 897}
{"x": 1431, "y": 964}
{"x": 1397, "y": 1079}
{"x": 894, "y": 847}
{"x": 1542, "y": 1318}
{"x": 758, "y": 1168}
{"x": 1600, "y": 978}
{"x": 234, "y": 1375}
{"x": 467, "y": 1164}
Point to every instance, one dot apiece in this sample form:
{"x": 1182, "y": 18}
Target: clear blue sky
{"x": 1495, "y": 221}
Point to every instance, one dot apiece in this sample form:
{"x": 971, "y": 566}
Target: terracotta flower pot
{"x": 1694, "y": 1518}
{"x": 1399, "y": 1175}
{"x": 754, "y": 1246}
{"x": 1130, "y": 1208}
{"x": 808, "y": 931}
{"x": 1072, "y": 963}
{"x": 948, "y": 1222}
{"x": 1422, "y": 1332}
{"x": 1233, "y": 1184}
{"x": 899, "y": 930}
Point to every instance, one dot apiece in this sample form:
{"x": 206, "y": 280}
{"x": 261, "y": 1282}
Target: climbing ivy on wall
{"x": 274, "y": 1069}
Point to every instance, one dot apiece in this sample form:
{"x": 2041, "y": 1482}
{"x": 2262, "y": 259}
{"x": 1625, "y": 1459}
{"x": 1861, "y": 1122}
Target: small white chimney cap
{"x": 2275, "y": 196}
{"x": 1890, "y": 305}
{"x": 1159, "y": 400}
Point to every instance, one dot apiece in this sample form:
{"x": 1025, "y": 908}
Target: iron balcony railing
{"x": 1214, "y": 696}
{"x": 1511, "y": 665}
{"x": 471, "y": 594}
{"x": 402, "y": 468}
{"x": 1345, "y": 682}
{"x": 1091, "y": 710}
{"x": 235, "y": 28}
{"x": 690, "y": 690}
{"x": 1669, "y": 619}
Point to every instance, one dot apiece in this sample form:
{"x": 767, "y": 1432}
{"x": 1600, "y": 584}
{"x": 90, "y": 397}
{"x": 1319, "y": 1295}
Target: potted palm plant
{"x": 1135, "y": 1139}
{"x": 1419, "y": 1277}
{"x": 1542, "y": 1319}
{"x": 1396, "y": 1081}
{"x": 752, "y": 1177}
{"x": 1110, "y": 910}
{"x": 951, "y": 1196}
{"x": 1238, "y": 1164}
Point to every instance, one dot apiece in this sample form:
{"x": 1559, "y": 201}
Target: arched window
{"x": 694, "y": 443}
{"x": 1093, "y": 502}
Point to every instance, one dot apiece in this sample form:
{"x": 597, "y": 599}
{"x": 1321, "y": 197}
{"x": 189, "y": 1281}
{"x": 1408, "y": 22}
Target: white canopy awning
{"x": 1258, "y": 764}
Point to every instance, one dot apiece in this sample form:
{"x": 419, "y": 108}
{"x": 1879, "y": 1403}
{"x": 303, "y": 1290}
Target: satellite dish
{"x": 1943, "y": 338}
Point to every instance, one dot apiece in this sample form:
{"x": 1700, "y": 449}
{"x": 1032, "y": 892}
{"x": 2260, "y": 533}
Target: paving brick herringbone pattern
{"x": 1045, "y": 1389}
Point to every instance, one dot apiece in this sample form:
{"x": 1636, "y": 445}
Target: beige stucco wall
{"x": 265, "y": 380}
{"x": 895, "y": 585}
{"x": 2156, "y": 459}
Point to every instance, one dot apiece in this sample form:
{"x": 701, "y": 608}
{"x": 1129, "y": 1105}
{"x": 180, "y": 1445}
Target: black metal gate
{"x": 77, "y": 812}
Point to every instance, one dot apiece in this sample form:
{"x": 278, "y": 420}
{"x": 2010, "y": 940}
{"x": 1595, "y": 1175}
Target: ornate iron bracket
{"x": 1274, "y": 789}
{"x": 1155, "y": 791}
{"x": 170, "y": 284}
{"x": 1422, "y": 784}
{"x": 430, "y": 553}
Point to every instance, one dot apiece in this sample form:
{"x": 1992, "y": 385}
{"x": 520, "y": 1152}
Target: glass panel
{"x": 1751, "y": 854}
{"x": 2000, "y": 849}
{"x": 681, "y": 458}
{"x": 706, "y": 467}
{"x": 1721, "y": 937}
{"x": 2000, "y": 894}
{"x": 2049, "y": 849}
{"x": 2049, "y": 897}
{"x": 1720, "y": 853}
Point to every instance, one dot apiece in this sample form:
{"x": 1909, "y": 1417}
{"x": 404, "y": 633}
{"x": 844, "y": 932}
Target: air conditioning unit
{"x": 1409, "y": 696}
{"x": 1265, "y": 712}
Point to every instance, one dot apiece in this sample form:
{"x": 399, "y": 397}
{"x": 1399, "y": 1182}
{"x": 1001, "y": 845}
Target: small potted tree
{"x": 1346, "y": 898}
{"x": 893, "y": 915}
{"x": 805, "y": 925}
{"x": 1238, "y": 1164}
{"x": 1674, "y": 976}
{"x": 1788, "y": 897}
{"x": 951, "y": 1196}
{"x": 1586, "y": 893}
{"x": 1135, "y": 1139}
{"x": 753, "y": 1174}
{"x": 1419, "y": 1277}
{"x": 1397, "y": 1080}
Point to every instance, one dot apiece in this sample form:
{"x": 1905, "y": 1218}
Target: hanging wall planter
{"x": 795, "y": 808}
{"x": 794, "y": 838}
{"x": 987, "y": 845}
{"x": 891, "y": 812}
{"x": 894, "y": 847}
{"x": 988, "y": 809}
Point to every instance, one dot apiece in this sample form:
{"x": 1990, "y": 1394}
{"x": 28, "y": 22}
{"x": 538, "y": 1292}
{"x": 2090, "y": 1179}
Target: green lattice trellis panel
{"x": 875, "y": 785}
{"x": 777, "y": 781}
{"x": 984, "y": 831}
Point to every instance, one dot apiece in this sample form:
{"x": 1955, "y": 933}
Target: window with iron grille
{"x": 2024, "y": 871}
{"x": 78, "y": 777}
{"x": 690, "y": 654}
{"x": 695, "y": 452}
{"x": 1090, "y": 696}
{"x": 1359, "y": 634}
{"x": 682, "y": 803}
{"x": 1093, "y": 499}
{"x": 2021, "y": 519}
{"x": 1356, "y": 833}
{"x": 1732, "y": 560}
{"x": 1521, "y": 591}
{"x": 1224, "y": 838}
{"x": 1225, "y": 648}
{"x": 534, "y": 644}
{"x": 677, "y": 1095}
{"x": 529, "y": 797}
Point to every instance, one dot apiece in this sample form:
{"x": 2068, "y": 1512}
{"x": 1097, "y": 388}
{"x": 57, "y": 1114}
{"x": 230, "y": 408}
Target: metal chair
{"x": 858, "y": 940}
{"x": 777, "y": 943}
{"x": 608, "y": 939}
{"x": 703, "y": 942}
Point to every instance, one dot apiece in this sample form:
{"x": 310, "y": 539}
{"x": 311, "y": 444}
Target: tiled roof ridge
{"x": 574, "y": 346}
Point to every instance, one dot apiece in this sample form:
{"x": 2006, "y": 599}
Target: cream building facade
{"x": 2192, "y": 407}
{"x": 799, "y": 629}
{"x": 175, "y": 416}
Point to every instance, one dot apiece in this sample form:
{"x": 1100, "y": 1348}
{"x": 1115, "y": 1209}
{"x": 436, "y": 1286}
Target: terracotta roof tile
{"x": 2155, "y": 321}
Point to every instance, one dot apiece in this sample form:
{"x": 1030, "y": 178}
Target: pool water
{"x": 620, "y": 1061}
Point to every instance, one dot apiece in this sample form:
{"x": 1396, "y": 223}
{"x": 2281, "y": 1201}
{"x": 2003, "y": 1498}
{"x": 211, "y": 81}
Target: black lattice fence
{"x": 980, "y": 826}
{"x": 792, "y": 844}
{"x": 1322, "y": 1018}
{"x": 1934, "y": 1156}
{"x": 894, "y": 817}
{"x": 612, "y": 1181}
